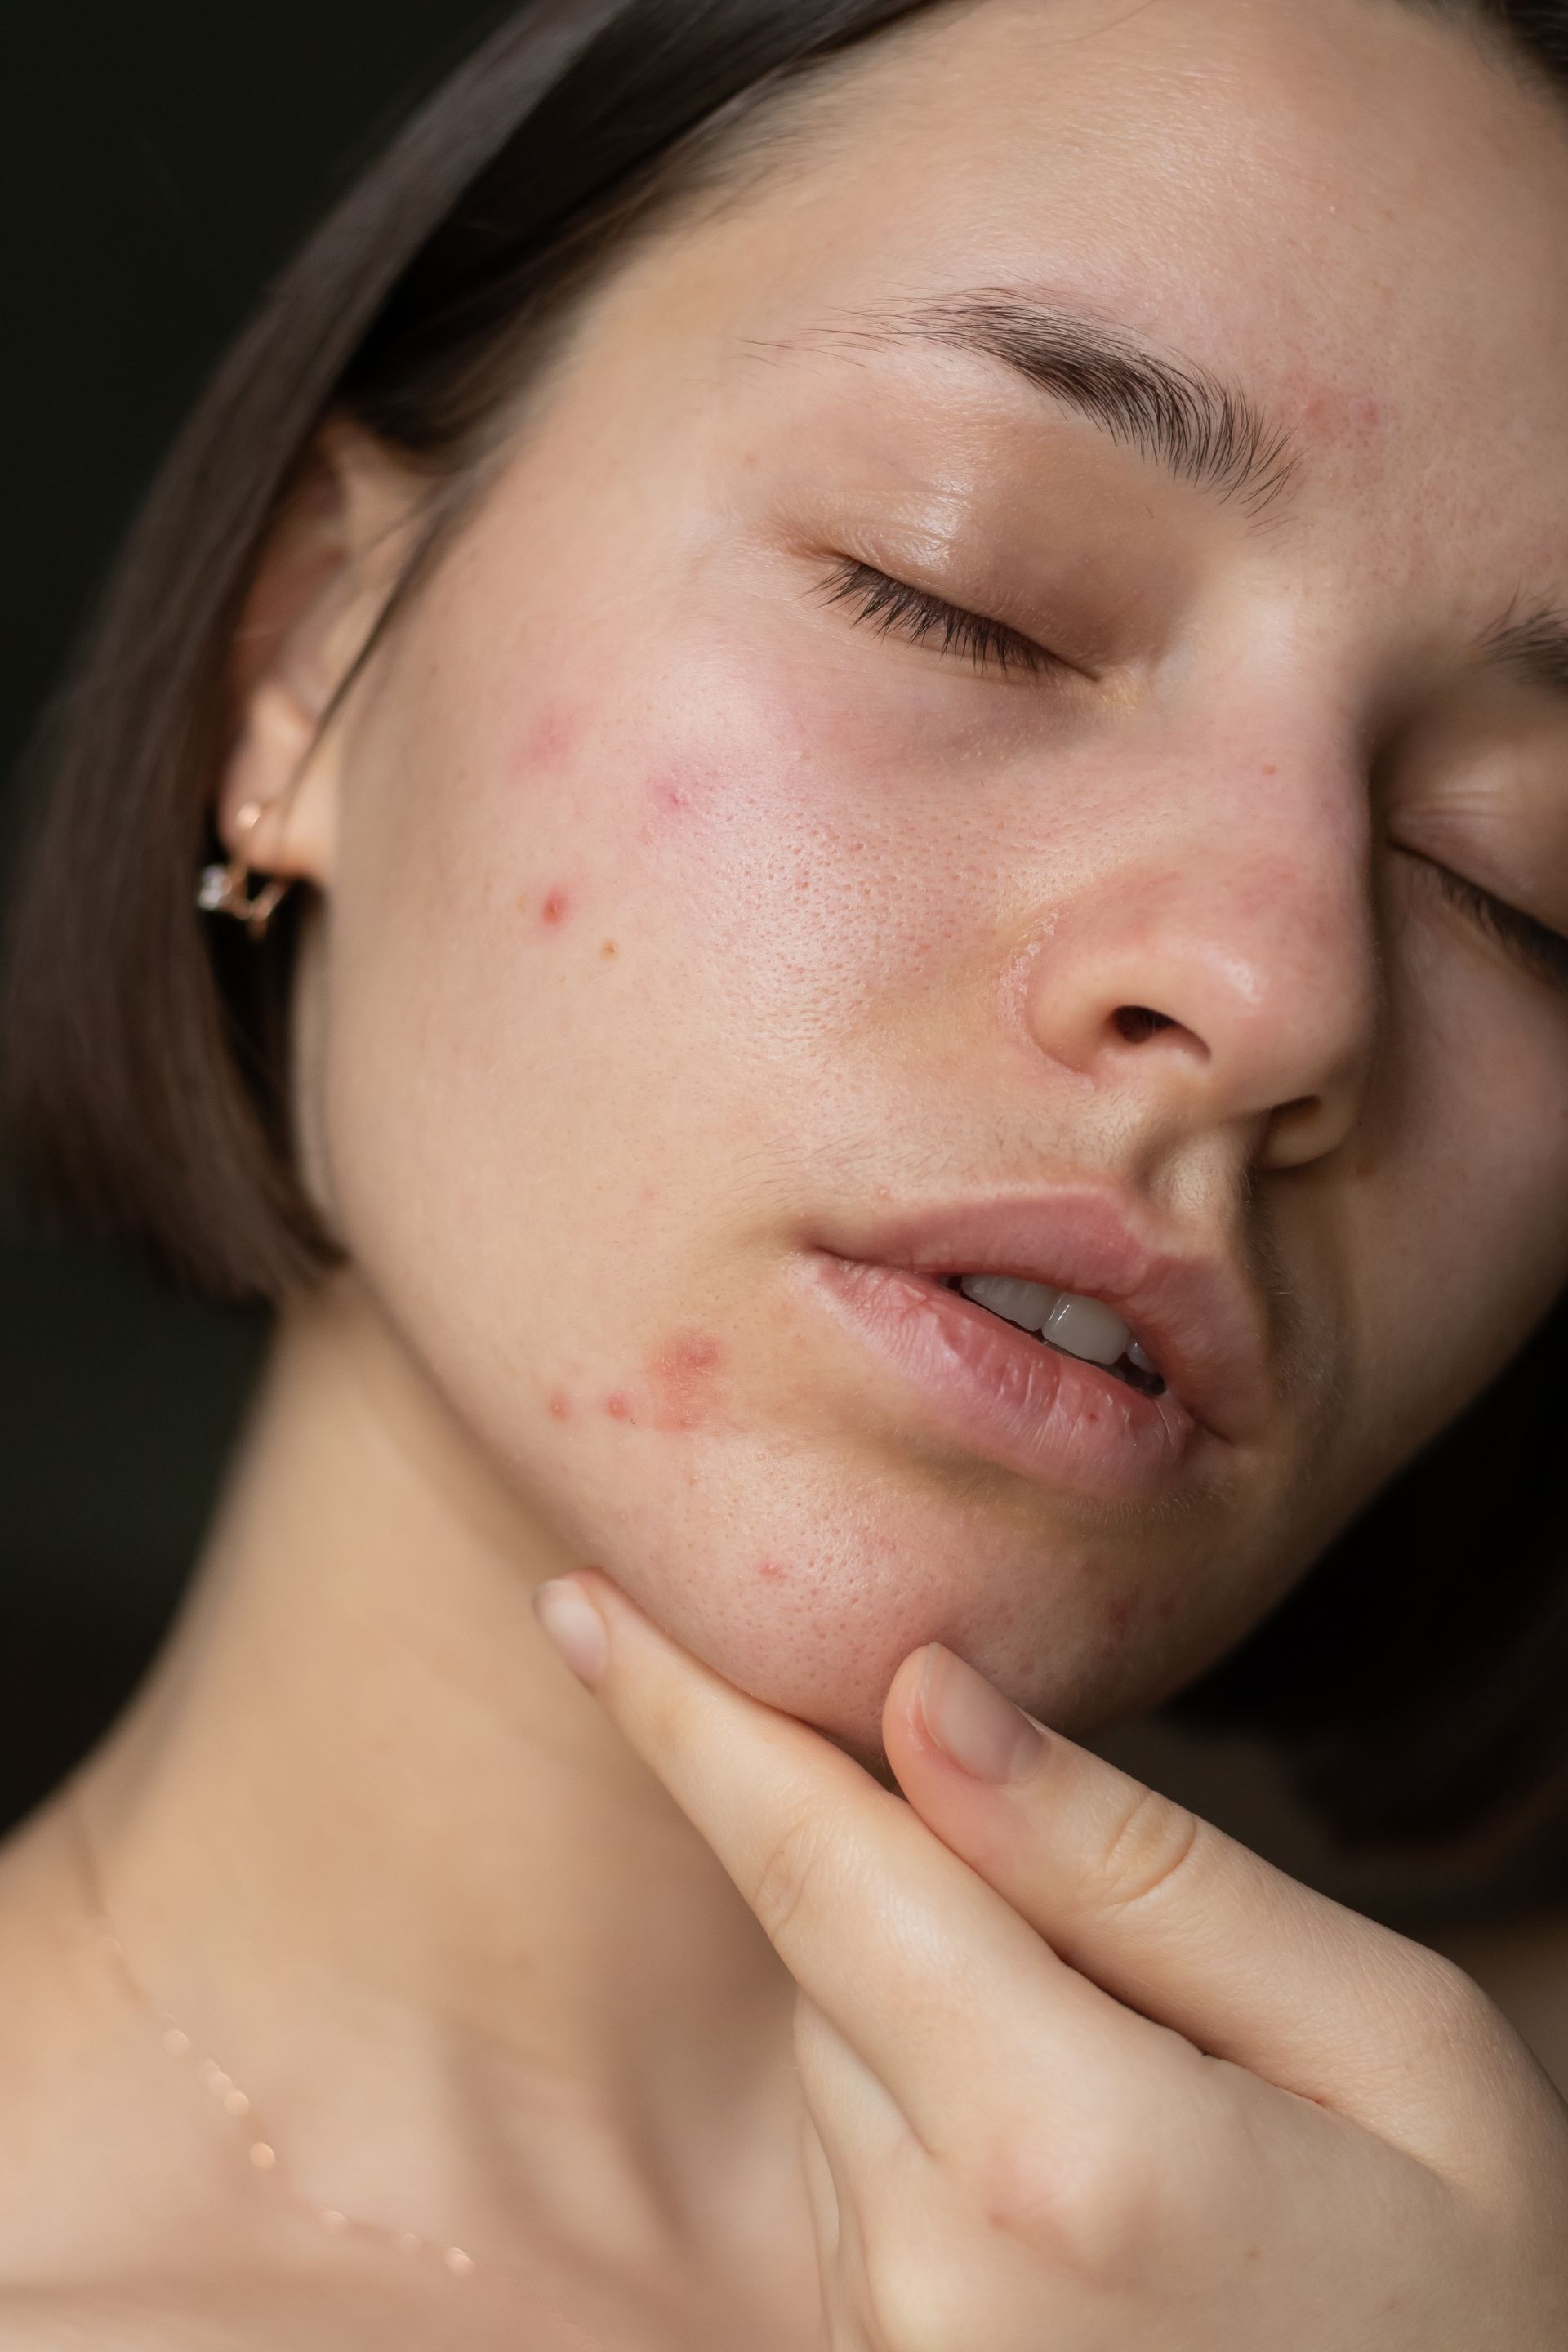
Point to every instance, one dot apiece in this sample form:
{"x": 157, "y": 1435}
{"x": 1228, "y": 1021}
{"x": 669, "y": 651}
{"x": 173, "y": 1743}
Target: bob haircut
{"x": 1417, "y": 1674}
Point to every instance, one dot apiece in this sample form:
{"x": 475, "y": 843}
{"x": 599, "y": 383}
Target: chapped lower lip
{"x": 1005, "y": 1396}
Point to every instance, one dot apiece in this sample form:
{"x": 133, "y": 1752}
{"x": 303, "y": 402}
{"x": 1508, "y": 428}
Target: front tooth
{"x": 1083, "y": 1326}
{"x": 1027, "y": 1304}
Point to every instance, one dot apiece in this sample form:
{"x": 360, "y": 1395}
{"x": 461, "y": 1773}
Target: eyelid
{"x": 1532, "y": 942}
{"x": 894, "y": 608}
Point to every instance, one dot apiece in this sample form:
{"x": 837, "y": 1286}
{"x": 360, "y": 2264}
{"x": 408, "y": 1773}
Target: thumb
{"x": 1182, "y": 1923}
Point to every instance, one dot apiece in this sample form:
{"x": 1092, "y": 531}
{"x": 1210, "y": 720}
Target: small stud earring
{"x": 224, "y": 890}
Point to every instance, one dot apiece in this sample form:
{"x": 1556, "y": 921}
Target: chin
{"x": 809, "y": 1595}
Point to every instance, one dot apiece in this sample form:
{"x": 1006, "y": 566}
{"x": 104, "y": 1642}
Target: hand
{"x": 1082, "y": 2074}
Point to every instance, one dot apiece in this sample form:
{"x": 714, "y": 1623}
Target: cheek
{"x": 611, "y": 984}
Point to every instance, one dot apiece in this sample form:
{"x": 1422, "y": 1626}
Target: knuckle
{"x": 1085, "y": 2208}
{"x": 1150, "y": 1842}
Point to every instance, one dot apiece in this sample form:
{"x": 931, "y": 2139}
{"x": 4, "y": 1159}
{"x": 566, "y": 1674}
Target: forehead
{"x": 1352, "y": 207}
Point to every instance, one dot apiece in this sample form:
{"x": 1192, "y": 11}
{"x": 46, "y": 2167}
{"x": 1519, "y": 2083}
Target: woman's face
{"x": 716, "y": 965}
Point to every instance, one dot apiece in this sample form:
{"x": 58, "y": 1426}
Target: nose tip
{"x": 1217, "y": 1009}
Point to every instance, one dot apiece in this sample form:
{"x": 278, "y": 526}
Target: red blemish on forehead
{"x": 559, "y": 1405}
{"x": 619, "y": 1406}
{"x": 1333, "y": 410}
{"x": 556, "y": 907}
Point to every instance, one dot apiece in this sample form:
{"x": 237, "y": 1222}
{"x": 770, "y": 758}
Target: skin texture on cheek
{"x": 677, "y": 1392}
{"x": 671, "y": 795}
{"x": 681, "y": 1375}
{"x": 551, "y": 742}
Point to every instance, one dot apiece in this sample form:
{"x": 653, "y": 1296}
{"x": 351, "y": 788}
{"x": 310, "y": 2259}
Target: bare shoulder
{"x": 223, "y": 2313}
{"x": 81, "y": 2187}
{"x": 265, "y": 2310}
{"x": 53, "y": 2007}
{"x": 67, "y": 2319}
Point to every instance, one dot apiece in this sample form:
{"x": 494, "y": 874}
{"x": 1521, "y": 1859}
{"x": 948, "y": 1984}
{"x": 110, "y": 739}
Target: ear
{"x": 328, "y": 565}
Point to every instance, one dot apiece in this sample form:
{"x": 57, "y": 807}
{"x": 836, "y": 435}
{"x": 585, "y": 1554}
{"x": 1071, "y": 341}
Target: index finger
{"x": 924, "y": 1969}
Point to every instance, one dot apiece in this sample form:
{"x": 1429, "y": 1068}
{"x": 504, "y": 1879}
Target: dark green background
{"x": 160, "y": 159}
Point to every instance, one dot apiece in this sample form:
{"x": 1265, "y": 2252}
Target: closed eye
{"x": 894, "y": 609}
{"x": 1535, "y": 945}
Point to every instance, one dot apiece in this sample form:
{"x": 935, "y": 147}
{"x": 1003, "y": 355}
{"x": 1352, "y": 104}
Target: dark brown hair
{"x": 1419, "y": 1668}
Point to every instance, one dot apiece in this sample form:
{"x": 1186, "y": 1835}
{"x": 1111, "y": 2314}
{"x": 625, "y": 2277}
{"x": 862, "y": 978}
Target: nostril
{"x": 1136, "y": 1021}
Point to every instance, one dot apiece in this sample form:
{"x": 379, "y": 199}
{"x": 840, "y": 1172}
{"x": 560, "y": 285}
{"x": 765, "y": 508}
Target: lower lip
{"x": 1007, "y": 1397}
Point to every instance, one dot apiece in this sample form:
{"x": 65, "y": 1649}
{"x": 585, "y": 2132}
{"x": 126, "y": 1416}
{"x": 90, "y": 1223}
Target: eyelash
{"x": 1541, "y": 949}
{"x": 894, "y": 609}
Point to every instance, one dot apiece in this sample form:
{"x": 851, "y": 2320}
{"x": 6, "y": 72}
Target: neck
{"x": 368, "y": 1840}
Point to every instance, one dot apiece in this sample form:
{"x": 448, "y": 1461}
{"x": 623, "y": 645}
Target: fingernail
{"x": 574, "y": 1625}
{"x": 982, "y": 1732}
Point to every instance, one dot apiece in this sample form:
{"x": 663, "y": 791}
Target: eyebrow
{"x": 1531, "y": 648}
{"x": 1202, "y": 430}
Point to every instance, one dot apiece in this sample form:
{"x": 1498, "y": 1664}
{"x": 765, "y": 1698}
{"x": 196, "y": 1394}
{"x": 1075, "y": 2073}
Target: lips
{"x": 1019, "y": 1400}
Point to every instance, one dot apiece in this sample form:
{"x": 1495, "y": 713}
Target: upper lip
{"x": 1189, "y": 1307}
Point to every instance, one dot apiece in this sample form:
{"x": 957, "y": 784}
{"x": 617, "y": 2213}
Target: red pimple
{"x": 552, "y": 739}
{"x": 693, "y": 1351}
{"x": 770, "y": 1571}
{"x": 556, "y": 906}
{"x": 680, "y": 1374}
{"x": 618, "y": 1407}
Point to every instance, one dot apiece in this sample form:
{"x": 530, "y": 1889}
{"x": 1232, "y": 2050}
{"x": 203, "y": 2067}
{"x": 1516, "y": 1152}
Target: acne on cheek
{"x": 675, "y": 1393}
{"x": 671, "y": 795}
{"x": 674, "y": 795}
{"x": 682, "y": 1376}
{"x": 1142, "y": 1611}
{"x": 551, "y": 741}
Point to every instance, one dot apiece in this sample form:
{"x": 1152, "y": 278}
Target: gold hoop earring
{"x": 224, "y": 890}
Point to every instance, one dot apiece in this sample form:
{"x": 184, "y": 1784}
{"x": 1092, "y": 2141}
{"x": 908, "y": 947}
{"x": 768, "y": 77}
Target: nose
{"x": 1223, "y": 970}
